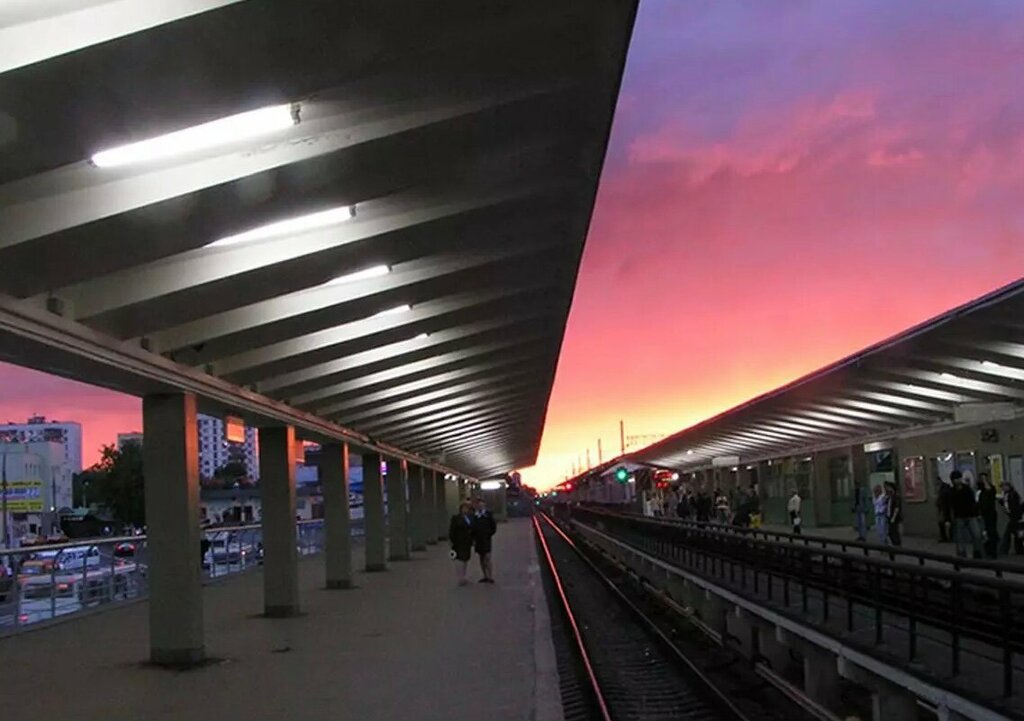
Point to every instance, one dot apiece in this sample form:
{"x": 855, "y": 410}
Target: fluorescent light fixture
{"x": 365, "y": 274}
{"x": 490, "y": 486}
{"x": 289, "y": 226}
{"x": 395, "y": 311}
{"x": 223, "y": 131}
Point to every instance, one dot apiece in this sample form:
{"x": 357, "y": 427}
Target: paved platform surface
{"x": 911, "y": 543}
{"x": 406, "y": 644}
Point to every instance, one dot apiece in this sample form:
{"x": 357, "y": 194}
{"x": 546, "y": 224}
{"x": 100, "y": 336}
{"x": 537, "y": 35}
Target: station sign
{"x": 23, "y": 496}
{"x": 234, "y": 429}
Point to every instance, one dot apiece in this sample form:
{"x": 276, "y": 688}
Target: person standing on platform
{"x": 987, "y": 511}
{"x": 942, "y": 505}
{"x": 964, "y": 509}
{"x": 794, "y": 510}
{"x": 1012, "y": 504}
{"x": 881, "y": 515}
{"x": 460, "y": 535}
{"x": 484, "y": 528}
{"x": 860, "y": 511}
{"x": 894, "y": 513}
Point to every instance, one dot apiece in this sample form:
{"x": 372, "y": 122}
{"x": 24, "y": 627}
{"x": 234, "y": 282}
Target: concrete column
{"x": 892, "y": 703}
{"x": 373, "y": 514}
{"x": 775, "y": 652}
{"x": 440, "y": 506}
{"x": 451, "y": 497}
{"x": 398, "y": 511}
{"x": 741, "y": 627}
{"x": 681, "y": 591}
{"x": 417, "y": 509}
{"x": 429, "y": 506}
{"x": 337, "y": 527}
{"x": 501, "y": 503}
{"x": 171, "y": 461}
{"x": 889, "y": 702}
{"x": 821, "y": 675}
{"x": 277, "y": 492}
{"x": 713, "y": 613}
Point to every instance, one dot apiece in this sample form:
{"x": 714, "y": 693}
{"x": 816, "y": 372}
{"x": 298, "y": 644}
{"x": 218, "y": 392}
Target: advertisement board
{"x": 23, "y": 496}
{"x": 914, "y": 490}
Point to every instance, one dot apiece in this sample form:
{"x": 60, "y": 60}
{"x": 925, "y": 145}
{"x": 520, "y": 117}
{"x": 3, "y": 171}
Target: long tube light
{"x": 223, "y": 131}
{"x": 395, "y": 311}
{"x": 365, "y": 274}
{"x": 290, "y": 226}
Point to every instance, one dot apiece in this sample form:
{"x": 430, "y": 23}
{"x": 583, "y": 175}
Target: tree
{"x": 116, "y": 482}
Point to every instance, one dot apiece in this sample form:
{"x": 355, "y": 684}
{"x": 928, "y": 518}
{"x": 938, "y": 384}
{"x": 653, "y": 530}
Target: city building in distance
{"x": 38, "y": 429}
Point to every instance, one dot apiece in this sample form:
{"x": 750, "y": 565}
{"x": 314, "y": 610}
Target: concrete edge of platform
{"x": 547, "y": 694}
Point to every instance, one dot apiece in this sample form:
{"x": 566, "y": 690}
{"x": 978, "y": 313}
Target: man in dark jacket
{"x": 1012, "y": 504}
{"x": 484, "y": 528}
{"x": 963, "y": 507}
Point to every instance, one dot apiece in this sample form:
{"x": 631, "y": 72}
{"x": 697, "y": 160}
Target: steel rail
{"x": 595, "y": 686}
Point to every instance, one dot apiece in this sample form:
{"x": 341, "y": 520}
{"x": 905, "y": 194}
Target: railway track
{"x": 621, "y": 656}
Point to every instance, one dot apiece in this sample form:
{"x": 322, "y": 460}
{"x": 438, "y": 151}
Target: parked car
{"x": 124, "y": 550}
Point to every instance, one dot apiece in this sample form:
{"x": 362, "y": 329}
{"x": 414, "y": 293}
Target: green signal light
{"x": 621, "y": 475}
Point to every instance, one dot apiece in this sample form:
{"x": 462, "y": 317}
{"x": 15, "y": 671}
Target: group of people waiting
{"x": 741, "y": 508}
{"x": 969, "y": 516}
{"x": 887, "y": 505}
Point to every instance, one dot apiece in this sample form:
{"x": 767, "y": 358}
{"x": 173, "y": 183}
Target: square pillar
{"x": 373, "y": 514}
{"x": 417, "y": 509}
{"x": 774, "y": 650}
{"x": 892, "y": 703}
{"x": 821, "y": 675}
{"x": 277, "y": 493}
{"x": 501, "y": 503}
{"x": 398, "y": 511}
{"x": 429, "y": 506}
{"x": 451, "y": 498}
{"x": 337, "y": 526}
{"x": 440, "y": 508}
{"x": 173, "y": 536}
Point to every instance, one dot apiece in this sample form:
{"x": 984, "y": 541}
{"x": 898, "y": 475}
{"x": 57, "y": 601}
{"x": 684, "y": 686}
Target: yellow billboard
{"x": 23, "y": 496}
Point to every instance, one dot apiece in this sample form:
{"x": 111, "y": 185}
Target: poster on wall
{"x": 914, "y": 490}
{"x": 944, "y": 466}
{"x": 995, "y": 471}
{"x": 965, "y": 464}
{"x": 1015, "y": 468}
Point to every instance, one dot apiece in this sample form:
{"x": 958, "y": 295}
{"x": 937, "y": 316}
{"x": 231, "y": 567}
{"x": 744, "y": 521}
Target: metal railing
{"x": 835, "y": 589}
{"x": 997, "y": 568}
{"x": 41, "y": 583}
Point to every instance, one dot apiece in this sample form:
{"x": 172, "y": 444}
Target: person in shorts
{"x": 484, "y": 528}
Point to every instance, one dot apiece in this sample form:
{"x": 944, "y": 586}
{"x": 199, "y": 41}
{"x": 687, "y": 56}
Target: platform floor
{"x": 407, "y": 644}
{"x": 911, "y": 543}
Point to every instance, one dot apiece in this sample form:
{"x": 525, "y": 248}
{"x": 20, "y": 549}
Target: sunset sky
{"x": 787, "y": 182}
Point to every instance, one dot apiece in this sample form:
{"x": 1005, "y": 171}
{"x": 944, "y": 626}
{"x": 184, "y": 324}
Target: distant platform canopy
{"x": 363, "y": 218}
{"x": 963, "y": 367}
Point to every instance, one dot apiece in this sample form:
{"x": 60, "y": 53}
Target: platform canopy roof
{"x": 965, "y": 366}
{"x": 386, "y": 251}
